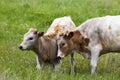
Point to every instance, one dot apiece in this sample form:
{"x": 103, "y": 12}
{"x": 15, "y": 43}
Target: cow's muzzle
{"x": 20, "y": 47}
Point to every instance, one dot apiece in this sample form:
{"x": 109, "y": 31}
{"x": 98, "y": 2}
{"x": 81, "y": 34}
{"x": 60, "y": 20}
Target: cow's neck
{"x": 76, "y": 40}
{"x": 42, "y": 47}
{"x": 81, "y": 49}
{"x": 36, "y": 46}
{"x": 79, "y": 42}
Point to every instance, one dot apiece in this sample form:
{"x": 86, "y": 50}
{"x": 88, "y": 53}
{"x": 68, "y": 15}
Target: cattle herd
{"x": 93, "y": 38}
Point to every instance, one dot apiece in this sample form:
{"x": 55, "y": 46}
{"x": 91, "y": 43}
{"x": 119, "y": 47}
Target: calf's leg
{"x": 38, "y": 63}
{"x": 57, "y": 66}
{"x": 72, "y": 63}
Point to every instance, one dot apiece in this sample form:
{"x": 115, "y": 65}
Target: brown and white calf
{"x": 45, "y": 46}
{"x": 93, "y": 38}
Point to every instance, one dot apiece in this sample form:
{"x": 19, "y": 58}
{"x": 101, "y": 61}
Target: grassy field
{"x": 17, "y": 16}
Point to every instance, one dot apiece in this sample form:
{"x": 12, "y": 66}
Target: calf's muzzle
{"x": 20, "y": 47}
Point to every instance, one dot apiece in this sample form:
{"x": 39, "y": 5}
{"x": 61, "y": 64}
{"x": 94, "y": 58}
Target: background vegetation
{"x": 17, "y": 16}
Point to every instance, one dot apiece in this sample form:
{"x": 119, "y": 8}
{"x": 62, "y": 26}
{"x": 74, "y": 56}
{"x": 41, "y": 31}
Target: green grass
{"x": 17, "y": 16}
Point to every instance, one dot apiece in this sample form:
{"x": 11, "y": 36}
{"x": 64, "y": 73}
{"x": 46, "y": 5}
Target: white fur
{"x": 108, "y": 29}
{"x": 65, "y": 23}
{"x": 26, "y": 44}
{"x": 95, "y": 51}
{"x": 57, "y": 66}
{"x": 59, "y": 54}
{"x": 38, "y": 63}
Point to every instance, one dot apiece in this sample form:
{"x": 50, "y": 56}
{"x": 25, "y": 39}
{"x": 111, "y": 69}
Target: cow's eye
{"x": 31, "y": 38}
{"x": 62, "y": 44}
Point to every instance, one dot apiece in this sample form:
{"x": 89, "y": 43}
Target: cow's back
{"x": 104, "y": 30}
{"x": 61, "y": 25}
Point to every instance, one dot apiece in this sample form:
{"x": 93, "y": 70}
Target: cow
{"x": 44, "y": 45}
{"x": 93, "y": 38}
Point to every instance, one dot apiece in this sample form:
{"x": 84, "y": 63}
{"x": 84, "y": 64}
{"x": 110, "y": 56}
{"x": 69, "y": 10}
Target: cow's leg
{"x": 95, "y": 51}
{"x": 72, "y": 63}
{"x": 38, "y": 63}
{"x": 50, "y": 66}
{"x": 57, "y": 66}
{"x": 113, "y": 56}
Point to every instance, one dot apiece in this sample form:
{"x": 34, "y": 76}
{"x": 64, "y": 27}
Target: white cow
{"x": 93, "y": 38}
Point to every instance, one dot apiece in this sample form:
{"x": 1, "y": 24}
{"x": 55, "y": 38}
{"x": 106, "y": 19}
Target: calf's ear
{"x": 70, "y": 35}
{"x": 35, "y": 32}
{"x": 40, "y": 34}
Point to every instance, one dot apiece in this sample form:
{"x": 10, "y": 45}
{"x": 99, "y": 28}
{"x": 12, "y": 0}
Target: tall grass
{"x": 17, "y": 16}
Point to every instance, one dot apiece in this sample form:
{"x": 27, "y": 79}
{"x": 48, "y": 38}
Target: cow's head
{"x": 70, "y": 41}
{"x": 64, "y": 44}
{"x": 30, "y": 39}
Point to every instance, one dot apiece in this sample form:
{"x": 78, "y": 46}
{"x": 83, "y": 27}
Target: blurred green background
{"x": 17, "y": 16}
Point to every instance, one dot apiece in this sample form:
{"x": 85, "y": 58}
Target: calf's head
{"x": 71, "y": 41}
{"x": 30, "y": 38}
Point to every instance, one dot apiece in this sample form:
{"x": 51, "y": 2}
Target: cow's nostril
{"x": 20, "y": 47}
{"x": 59, "y": 57}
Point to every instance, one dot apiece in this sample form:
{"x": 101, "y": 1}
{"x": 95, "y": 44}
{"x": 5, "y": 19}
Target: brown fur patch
{"x": 77, "y": 42}
{"x": 80, "y": 41}
{"x": 47, "y": 51}
{"x": 56, "y": 29}
{"x": 77, "y": 32}
{"x": 103, "y": 45}
{"x": 109, "y": 28}
{"x": 62, "y": 34}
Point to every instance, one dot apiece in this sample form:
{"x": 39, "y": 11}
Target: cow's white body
{"x": 61, "y": 25}
{"x": 103, "y": 29}
{"x": 104, "y": 36}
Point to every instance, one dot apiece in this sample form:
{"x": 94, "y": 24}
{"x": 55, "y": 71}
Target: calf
{"x": 93, "y": 38}
{"x": 45, "y": 46}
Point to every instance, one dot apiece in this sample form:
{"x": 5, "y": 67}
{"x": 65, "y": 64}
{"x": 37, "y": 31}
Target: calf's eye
{"x": 62, "y": 44}
{"x": 31, "y": 38}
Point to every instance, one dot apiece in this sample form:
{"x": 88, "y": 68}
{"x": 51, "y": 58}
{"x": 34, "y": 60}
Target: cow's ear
{"x": 87, "y": 41}
{"x": 70, "y": 35}
{"x": 65, "y": 36}
{"x": 40, "y": 34}
{"x": 35, "y": 32}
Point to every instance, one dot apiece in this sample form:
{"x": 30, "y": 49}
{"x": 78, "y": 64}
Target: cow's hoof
{"x": 72, "y": 72}
{"x": 38, "y": 67}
